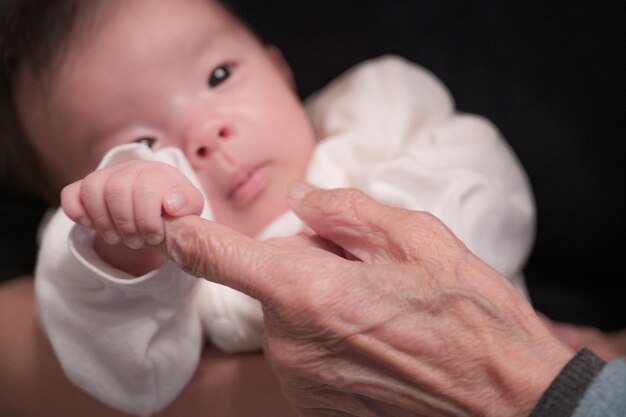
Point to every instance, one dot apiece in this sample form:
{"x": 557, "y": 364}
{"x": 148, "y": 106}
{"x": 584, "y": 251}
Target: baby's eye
{"x": 149, "y": 142}
{"x": 220, "y": 74}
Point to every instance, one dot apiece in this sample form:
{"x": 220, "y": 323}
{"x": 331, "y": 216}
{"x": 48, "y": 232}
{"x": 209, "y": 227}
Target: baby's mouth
{"x": 247, "y": 184}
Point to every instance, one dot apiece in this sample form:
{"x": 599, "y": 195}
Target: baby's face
{"x": 178, "y": 73}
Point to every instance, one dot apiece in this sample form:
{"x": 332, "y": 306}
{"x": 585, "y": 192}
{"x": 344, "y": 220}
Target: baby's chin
{"x": 253, "y": 220}
{"x": 258, "y": 228}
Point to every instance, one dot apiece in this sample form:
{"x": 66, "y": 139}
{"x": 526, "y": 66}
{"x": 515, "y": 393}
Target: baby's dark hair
{"x": 34, "y": 35}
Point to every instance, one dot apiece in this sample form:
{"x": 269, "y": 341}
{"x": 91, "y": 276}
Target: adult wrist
{"x": 568, "y": 388}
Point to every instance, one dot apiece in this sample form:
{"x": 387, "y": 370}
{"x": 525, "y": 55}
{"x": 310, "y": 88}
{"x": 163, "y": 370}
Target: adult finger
{"x": 372, "y": 232}
{"x": 306, "y": 241}
{"x": 212, "y": 251}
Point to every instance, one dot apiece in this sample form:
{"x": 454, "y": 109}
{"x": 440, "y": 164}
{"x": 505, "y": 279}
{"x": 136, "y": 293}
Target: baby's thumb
{"x": 183, "y": 201}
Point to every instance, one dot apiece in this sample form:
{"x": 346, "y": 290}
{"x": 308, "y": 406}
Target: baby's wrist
{"x": 136, "y": 262}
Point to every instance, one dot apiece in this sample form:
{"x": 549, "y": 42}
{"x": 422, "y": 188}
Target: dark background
{"x": 550, "y": 74}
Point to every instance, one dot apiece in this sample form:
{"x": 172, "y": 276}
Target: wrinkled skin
{"x": 379, "y": 311}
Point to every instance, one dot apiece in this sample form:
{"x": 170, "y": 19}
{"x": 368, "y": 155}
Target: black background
{"x": 550, "y": 74}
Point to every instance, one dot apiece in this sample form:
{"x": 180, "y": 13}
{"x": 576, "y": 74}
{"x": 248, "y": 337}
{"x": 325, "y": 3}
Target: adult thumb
{"x": 366, "y": 229}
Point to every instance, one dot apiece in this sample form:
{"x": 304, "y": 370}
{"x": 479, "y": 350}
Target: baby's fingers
{"x": 73, "y": 206}
{"x": 118, "y": 194}
{"x": 163, "y": 191}
{"x": 147, "y": 201}
{"x": 84, "y": 203}
{"x": 182, "y": 200}
{"x": 93, "y": 199}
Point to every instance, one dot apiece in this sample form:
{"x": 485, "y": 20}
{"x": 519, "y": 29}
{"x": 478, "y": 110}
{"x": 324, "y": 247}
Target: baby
{"x": 220, "y": 132}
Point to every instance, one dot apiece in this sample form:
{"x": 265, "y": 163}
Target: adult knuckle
{"x": 335, "y": 200}
{"x": 194, "y": 251}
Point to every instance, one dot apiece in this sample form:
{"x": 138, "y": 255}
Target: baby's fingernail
{"x": 175, "y": 202}
{"x": 154, "y": 239}
{"x": 111, "y": 237}
{"x": 299, "y": 190}
{"x": 134, "y": 242}
{"x": 85, "y": 222}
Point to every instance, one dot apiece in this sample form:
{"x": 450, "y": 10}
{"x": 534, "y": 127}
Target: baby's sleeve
{"x": 133, "y": 343}
{"x": 392, "y": 128}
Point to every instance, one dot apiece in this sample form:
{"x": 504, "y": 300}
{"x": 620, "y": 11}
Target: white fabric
{"x": 387, "y": 127}
{"x": 132, "y": 342}
{"x": 390, "y": 129}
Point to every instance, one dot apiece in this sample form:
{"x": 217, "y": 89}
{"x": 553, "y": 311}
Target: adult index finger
{"x": 263, "y": 271}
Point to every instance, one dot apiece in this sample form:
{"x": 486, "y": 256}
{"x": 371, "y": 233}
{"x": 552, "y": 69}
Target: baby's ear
{"x": 276, "y": 56}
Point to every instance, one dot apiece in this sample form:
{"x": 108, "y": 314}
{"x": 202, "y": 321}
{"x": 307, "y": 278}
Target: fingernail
{"x": 299, "y": 190}
{"x": 175, "y": 202}
{"x": 154, "y": 239}
{"x": 134, "y": 242}
{"x": 111, "y": 237}
{"x": 85, "y": 222}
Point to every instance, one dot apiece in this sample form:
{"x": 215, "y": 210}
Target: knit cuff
{"x": 568, "y": 388}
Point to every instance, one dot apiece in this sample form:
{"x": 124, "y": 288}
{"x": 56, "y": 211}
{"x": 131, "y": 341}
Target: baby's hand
{"x": 125, "y": 203}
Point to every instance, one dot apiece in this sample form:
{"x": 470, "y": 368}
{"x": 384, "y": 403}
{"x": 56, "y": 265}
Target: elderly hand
{"x": 399, "y": 319}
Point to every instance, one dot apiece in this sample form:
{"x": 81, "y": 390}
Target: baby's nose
{"x": 202, "y": 141}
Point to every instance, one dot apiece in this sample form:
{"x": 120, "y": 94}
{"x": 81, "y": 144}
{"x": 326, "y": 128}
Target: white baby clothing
{"x": 134, "y": 343}
{"x": 387, "y": 127}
